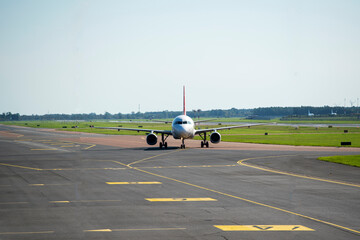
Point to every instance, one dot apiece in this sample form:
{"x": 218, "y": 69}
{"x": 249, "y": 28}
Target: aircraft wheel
{"x": 165, "y": 145}
{"x": 202, "y": 144}
{"x": 207, "y": 144}
{"x": 161, "y": 145}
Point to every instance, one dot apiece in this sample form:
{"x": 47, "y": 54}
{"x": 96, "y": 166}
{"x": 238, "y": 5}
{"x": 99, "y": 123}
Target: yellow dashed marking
{"x": 120, "y": 183}
{"x": 59, "y": 201}
{"x": 179, "y": 199}
{"x": 263, "y": 228}
{"x": 49, "y": 184}
{"x": 98, "y": 230}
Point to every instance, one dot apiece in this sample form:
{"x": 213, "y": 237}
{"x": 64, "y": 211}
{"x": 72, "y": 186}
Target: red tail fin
{"x": 184, "y": 108}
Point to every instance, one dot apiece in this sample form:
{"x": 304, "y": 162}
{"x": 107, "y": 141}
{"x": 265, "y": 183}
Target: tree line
{"x": 216, "y": 113}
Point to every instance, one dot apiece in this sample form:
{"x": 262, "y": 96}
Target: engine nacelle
{"x": 215, "y": 137}
{"x": 151, "y": 139}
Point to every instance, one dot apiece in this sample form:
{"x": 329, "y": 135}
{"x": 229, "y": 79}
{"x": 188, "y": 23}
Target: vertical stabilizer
{"x": 184, "y": 106}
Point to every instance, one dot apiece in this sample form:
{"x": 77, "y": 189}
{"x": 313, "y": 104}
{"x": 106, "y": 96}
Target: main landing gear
{"x": 204, "y": 143}
{"x": 163, "y": 142}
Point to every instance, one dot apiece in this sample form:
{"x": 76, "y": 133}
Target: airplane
{"x": 183, "y": 127}
{"x": 310, "y": 114}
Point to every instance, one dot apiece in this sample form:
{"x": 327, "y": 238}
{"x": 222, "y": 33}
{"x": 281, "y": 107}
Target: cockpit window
{"x": 182, "y": 122}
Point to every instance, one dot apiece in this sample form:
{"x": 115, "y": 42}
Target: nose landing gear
{"x": 183, "y": 144}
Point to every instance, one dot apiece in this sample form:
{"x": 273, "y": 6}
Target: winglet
{"x": 184, "y": 108}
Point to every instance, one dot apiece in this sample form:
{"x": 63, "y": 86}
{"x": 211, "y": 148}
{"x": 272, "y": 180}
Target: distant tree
{"x": 107, "y": 115}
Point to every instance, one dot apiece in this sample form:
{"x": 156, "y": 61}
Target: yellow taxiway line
{"x": 236, "y": 197}
{"x": 90, "y": 147}
{"x": 242, "y": 163}
{"x": 125, "y": 183}
{"x": 180, "y": 199}
{"x": 145, "y": 159}
{"x": 253, "y": 202}
{"x": 17, "y": 166}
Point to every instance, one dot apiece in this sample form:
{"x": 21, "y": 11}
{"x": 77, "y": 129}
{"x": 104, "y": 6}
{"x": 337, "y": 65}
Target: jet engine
{"x": 215, "y": 137}
{"x": 151, "y": 139}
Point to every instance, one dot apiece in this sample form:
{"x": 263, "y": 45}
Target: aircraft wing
{"x": 159, "y": 121}
{"x": 167, "y": 132}
{"x": 230, "y": 127}
{"x": 199, "y": 121}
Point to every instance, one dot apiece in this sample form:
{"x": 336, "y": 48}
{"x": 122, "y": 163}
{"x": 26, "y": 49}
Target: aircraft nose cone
{"x": 183, "y": 132}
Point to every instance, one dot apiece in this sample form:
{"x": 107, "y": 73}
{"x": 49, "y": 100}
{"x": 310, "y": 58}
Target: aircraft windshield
{"x": 182, "y": 122}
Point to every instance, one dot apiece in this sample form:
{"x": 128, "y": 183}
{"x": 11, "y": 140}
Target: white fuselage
{"x": 183, "y": 127}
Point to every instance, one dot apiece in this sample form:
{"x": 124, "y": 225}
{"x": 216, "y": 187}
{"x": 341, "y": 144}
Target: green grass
{"x": 352, "y": 160}
{"x": 84, "y": 126}
{"x": 273, "y": 129}
{"x": 69, "y": 124}
{"x": 322, "y": 121}
{"x": 284, "y": 135}
{"x": 328, "y": 140}
{"x": 307, "y": 121}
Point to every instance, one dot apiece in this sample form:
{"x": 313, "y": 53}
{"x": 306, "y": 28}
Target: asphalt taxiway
{"x": 56, "y": 185}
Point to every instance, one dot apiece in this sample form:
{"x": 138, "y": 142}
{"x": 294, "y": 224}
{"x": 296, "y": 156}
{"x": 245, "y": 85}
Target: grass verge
{"x": 327, "y": 140}
{"x": 352, "y": 160}
{"x": 285, "y": 135}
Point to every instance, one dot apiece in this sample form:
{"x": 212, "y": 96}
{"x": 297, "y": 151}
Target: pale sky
{"x": 97, "y": 56}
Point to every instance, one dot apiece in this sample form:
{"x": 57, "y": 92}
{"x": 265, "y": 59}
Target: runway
{"x": 58, "y": 185}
